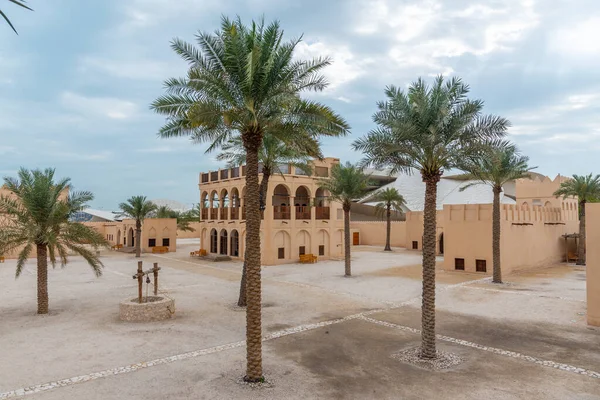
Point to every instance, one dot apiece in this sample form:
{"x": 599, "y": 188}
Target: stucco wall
{"x": 593, "y": 263}
{"x": 189, "y": 235}
{"x": 153, "y": 228}
{"x": 414, "y": 229}
{"x": 529, "y": 237}
{"x": 373, "y": 233}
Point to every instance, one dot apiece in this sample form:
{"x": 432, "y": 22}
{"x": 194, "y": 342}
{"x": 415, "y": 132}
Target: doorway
{"x": 355, "y": 239}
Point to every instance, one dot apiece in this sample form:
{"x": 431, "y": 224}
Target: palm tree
{"x": 346, "y": 184}
{"x": 499, "y": 164}
{"x": 20, "y": 3}
{"x": 272, "y": 154}
{"x": 244, "y": 82}
{"x": 183, "y": 218}
{"x": 587, "y": 189}
{"x": 428, "y": 129}
{"x": 138, "y": 208}
{"x": 390, "y": 200}
{"x": 37, "y": 219}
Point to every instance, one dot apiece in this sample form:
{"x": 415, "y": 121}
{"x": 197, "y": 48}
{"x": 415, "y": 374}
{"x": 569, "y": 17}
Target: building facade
{"x": 156, "y": 232}
{"x": 299, "y": 217}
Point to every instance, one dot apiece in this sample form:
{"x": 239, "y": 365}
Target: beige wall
{"x": 193, "y": 234}
{"x": 152, "y": 228}
{"x": 414, "y": 229}
{"x": 540, "y": 192}
{"x": 529, "y": 237}
{"x": 288, "y": 233}
{"x": 373, "y": 233}
{"x": 592, "y": 216}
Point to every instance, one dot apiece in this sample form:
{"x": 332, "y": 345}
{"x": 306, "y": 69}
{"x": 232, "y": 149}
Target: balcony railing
{"x": 204, "y": 178}
{"x": 214, "y": 213}
{"x": 235, "y": 213}
{"x": 205, "y": 213}
{"x": 322, "y": 212}
{"x": 243, "y": 212}
{"x": 214, "y": 176}
{"x": 225, "y": 174}
{"x": 282, "y": 212}
{"x": 302, "y": 212}
{"x": 235, "y": 172}
{"x": 224, "y": 213}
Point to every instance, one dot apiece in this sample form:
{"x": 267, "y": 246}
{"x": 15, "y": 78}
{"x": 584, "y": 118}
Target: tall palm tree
{"x": 499, "y": 164}
{"x": 587, "y": 189}
{"x": 37, "y": 219}
{"x": 138, "y": 208}
{"x": 20, "y": 3}
{"x": 428, "y": 129}
{"x": 244, "y": 82}
{"x": 346, "y": 184}
{"x": 389, "y": 201}
{"x": 272, "y": 154}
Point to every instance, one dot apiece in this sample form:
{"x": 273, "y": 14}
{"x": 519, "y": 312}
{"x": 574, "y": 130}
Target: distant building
{"x": 91, "y": 215}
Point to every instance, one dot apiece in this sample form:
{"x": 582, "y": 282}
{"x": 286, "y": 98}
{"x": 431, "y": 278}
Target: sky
{"x": 76, "y": 83}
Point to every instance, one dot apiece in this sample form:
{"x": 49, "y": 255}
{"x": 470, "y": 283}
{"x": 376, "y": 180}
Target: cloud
{"x": 345, "y": 66}
{"x": 577, "y": 39}
{"x": 107, "y": 107}
{"x": 82, "y": 156}
{"x": 126, "y": 66}
{"x": 160, "y": 149}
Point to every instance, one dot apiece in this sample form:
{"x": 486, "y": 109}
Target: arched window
{"x": 322, "y": 204}
{"x": 302, "y": 203}
{"x": 281, "y": 203}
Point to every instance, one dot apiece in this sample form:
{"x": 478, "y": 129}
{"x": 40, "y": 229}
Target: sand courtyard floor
{"x": 325, "y": 336}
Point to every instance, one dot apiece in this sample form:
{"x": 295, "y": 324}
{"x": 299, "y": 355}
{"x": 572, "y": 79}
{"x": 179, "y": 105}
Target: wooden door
{"x": 355, "y": 238}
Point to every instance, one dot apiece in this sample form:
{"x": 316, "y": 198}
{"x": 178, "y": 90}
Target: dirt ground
{"x": 326, "y": 336}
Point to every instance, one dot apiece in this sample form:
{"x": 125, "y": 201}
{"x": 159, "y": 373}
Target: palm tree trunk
{"x": 428, "y": 350}
{"x": 347, "y": 265}
{"x": 42, "y": 277}
{"x": 389, "y": 229}
{"x": 264, "y": 184}
{"x": 254, "y": 373}
{"x": 138, "y": 238}
{"x": 581, "y": 243}
{"x": 496, "y": 235}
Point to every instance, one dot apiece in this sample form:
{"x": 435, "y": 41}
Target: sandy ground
{"x": 327, "y": 336}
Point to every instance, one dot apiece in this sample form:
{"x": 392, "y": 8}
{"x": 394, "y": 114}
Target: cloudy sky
{"x": 76, "y": 83}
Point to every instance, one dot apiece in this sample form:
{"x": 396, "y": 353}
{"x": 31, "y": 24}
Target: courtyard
{"x": 325, "y": 336}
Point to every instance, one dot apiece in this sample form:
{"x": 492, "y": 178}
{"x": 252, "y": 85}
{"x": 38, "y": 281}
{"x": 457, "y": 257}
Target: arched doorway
{"x": 223, "y": 248}
{"x": 119, "y": 236}
{"x": 282, "y": 244}
{"x": 322, "y": 204}
{"x": 441, "y": 243}
{"x": 235, "y": 244}
{"x": 213, "y": 241}
{"x": 303, "y": 243}
{"x": 131, "y": 239}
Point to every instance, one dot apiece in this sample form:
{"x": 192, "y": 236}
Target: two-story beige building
{"x": 299, "y": 217}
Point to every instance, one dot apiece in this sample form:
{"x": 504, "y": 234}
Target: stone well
{"x": 154, "y": 308}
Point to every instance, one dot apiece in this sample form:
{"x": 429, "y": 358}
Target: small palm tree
{"x": 20, "y": 3}
{"x": 138, "y": 208}
{"x": 497, "y": 165}
{"x": 298, "y": 151}
{"x": 587, "y": 189}
{"x": 428, "y": 129}
{"x": 244, "y": 82}
{"x": 389, "y": 200}
{"x": 37, "y": 219}
{"x": 183, "y": 218}
{"x": 346, "y": 184}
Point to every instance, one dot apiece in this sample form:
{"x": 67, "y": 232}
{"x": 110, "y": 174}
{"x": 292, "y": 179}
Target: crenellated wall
{"x": 530, "y": 237}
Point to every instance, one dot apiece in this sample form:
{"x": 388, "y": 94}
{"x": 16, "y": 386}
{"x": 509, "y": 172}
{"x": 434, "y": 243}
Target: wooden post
{"x": 155, "y": 270}
{"x": 140, "y": 277}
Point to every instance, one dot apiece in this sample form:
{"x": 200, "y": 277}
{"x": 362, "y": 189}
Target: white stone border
{"x": 507, "y": 353}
